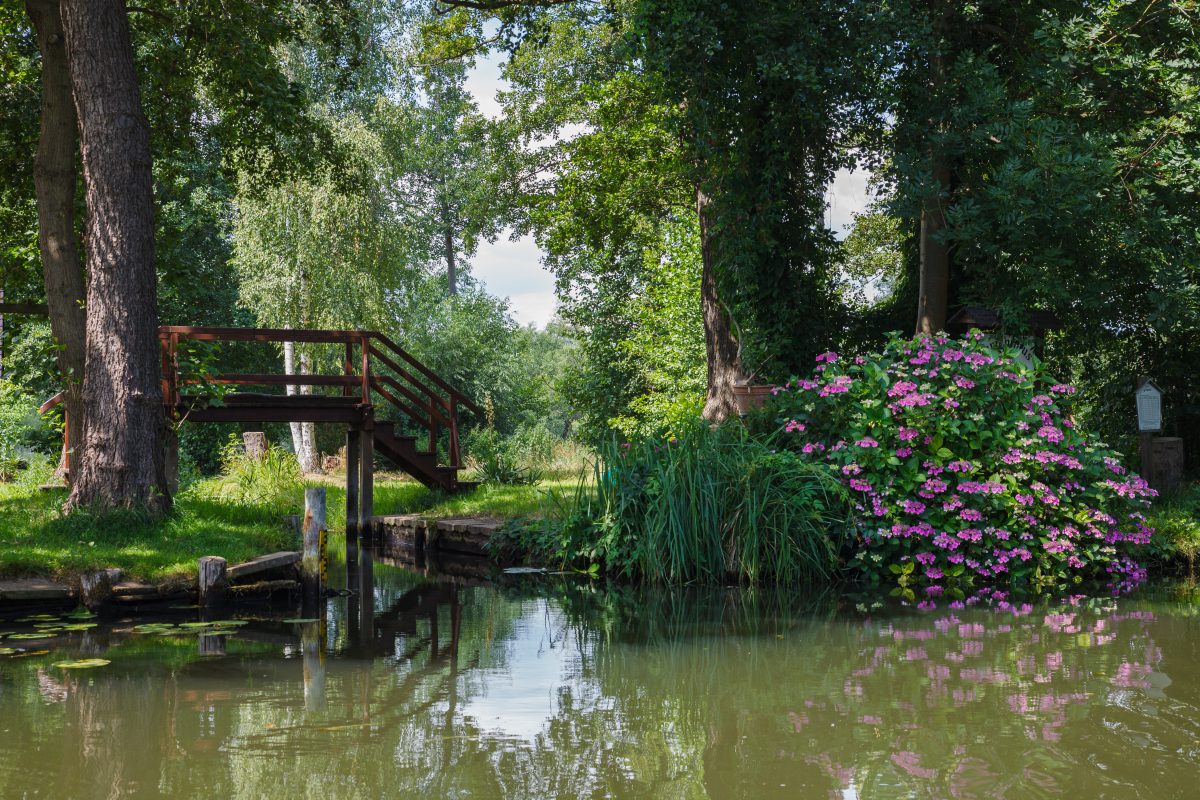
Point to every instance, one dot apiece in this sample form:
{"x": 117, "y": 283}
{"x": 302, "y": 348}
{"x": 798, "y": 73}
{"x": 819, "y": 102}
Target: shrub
{"x": 505, "y": 460}
{"x": 707, "y": 506}
{"x": 965, "y": 466}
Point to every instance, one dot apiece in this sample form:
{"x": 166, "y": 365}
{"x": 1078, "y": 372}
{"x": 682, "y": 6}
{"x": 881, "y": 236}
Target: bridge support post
{"x": 366, "y": 488}
{"x": 353, "y": 452}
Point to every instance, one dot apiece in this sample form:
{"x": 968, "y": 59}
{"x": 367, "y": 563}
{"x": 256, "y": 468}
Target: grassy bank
{"x": 237, "y": 517}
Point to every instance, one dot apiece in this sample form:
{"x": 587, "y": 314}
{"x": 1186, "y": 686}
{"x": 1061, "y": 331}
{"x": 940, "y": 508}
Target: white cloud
{"x": 514, "y": 270}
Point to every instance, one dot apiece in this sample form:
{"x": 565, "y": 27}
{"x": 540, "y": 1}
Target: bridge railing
{"x": 406, "y": 384}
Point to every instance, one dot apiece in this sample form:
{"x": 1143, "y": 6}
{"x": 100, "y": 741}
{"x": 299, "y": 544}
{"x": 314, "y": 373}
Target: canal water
{"x": 554, "y": 687}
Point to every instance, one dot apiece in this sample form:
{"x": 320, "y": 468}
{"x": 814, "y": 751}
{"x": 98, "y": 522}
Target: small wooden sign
{"x": 1149, "y": 407}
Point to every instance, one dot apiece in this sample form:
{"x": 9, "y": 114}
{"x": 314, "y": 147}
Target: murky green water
{"x": 560, "y": 689}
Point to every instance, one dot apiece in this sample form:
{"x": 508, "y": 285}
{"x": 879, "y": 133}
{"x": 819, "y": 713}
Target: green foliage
{"x": 506, "y": 460}
{"x": 1176, "y": 524}
{"x": 19, "y": 425}
{"x": 707, "y": 505}
{"x": 965, "y": 467}
{"x": 1072, "y": 134}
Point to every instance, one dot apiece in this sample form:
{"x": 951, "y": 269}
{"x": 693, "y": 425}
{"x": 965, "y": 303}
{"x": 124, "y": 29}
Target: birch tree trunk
{"x": 54, "y": 178}
{"x": 123, "y": 457}
{"x": 304, "y": 440}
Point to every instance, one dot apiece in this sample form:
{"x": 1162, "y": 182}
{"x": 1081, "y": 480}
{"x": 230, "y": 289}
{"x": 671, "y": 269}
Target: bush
{"x": 708, "y": 506}
{"x": 507, "y": 460}
{"x": 965, "y": 466}
{"x": 1176, "y": 525}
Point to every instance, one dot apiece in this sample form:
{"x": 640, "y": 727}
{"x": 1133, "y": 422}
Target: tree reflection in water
{"x": 566, "y": 689}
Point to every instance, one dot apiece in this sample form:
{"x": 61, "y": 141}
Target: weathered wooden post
{"x": 212, "y": 580}
{"x": 312, "y": 566}
{"x": 255, "y": 443}
{"x": 366, "y": 488}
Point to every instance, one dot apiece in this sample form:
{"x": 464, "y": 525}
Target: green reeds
{"x": 710, "y": 505}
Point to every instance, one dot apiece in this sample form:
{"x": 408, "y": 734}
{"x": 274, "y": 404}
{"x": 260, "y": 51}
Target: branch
{"x": 499, "y": 5}
{"x": 149, "y": 11}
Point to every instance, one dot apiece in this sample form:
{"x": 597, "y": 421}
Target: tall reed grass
{"x": 707, "y": 506}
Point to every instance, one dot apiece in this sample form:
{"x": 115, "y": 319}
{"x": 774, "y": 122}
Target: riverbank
{"x": 211, "y": 517}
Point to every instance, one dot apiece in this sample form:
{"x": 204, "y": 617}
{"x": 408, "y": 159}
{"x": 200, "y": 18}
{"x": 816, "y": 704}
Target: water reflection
{"x": 415, "y": 687}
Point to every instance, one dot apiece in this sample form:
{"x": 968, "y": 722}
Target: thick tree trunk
{"x": 123, "y": 457}
{"x": 721, "y": 346}
{"x": 54, "y": 177}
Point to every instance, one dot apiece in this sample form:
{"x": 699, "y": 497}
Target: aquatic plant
{"x": 703, "y": 505}
{"x": 965, "y": 466}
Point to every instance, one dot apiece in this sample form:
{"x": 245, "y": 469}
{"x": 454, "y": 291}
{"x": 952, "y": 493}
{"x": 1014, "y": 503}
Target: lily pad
{"x": 300, "y": 621}
{"x": 81, "y": 613}
{"x": 154, "y": 627}
{"x": 8, "y": 651}
{"x": 38, "y": 618}
{"x": 229, "y": 623}
{"x": 41, "y": 635}
{"x": 84, "y": 663}
{"x": 80, "y": 626}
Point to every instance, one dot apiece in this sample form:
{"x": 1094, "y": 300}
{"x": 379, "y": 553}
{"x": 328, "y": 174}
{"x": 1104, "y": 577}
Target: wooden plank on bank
{"x": 262, "y": 564}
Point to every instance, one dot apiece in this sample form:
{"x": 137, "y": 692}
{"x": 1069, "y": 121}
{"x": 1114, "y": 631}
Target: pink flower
{"x": 867, "y": 441}
{"x": 912, "y": 507}
{"x": 1050, "y": 433}
{"x": 963, "y": 382}
{"x": 828, "y": 356}
{"x": 908, "y": 434}
{"x": 970, "y": 515}
{"x": 794, "y": 426}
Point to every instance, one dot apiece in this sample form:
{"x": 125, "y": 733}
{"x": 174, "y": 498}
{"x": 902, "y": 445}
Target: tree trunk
{"x": 54, "y": 180}
{"x": 123, "y": 457}
{"x": 448, "y": 245}
{"x": 933, "y": 299}
{"x": 304, "y": 440}
{"x": 721, "y": 346}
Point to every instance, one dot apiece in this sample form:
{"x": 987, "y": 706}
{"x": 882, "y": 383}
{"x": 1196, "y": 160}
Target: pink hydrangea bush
{"x": 965, "y": 467}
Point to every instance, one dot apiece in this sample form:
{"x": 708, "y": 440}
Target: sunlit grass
{"x": 37, "y": 539}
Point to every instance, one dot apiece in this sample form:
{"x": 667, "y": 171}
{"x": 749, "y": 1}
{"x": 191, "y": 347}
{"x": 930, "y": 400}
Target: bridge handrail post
{"x": 364, "y": 344}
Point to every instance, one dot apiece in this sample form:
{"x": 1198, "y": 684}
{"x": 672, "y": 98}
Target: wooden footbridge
{"x": 375, "y": 370}
{"x": 378, "y": 380}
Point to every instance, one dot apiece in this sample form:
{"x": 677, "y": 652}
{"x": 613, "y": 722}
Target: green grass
{"x": 212, "y": 517}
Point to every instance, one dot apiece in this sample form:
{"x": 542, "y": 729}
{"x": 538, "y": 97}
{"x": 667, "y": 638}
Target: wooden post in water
{"x": 212, "y": 580}
{"x": 313, "y": 527}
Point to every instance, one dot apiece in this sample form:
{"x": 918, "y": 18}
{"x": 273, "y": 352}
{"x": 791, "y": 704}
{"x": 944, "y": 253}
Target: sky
{"x": 513, "y": 269}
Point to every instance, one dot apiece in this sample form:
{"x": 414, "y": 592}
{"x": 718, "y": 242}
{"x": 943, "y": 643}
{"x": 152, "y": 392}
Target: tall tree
{"x": 55, "y": 181}
{"x": 123, "y": 458}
